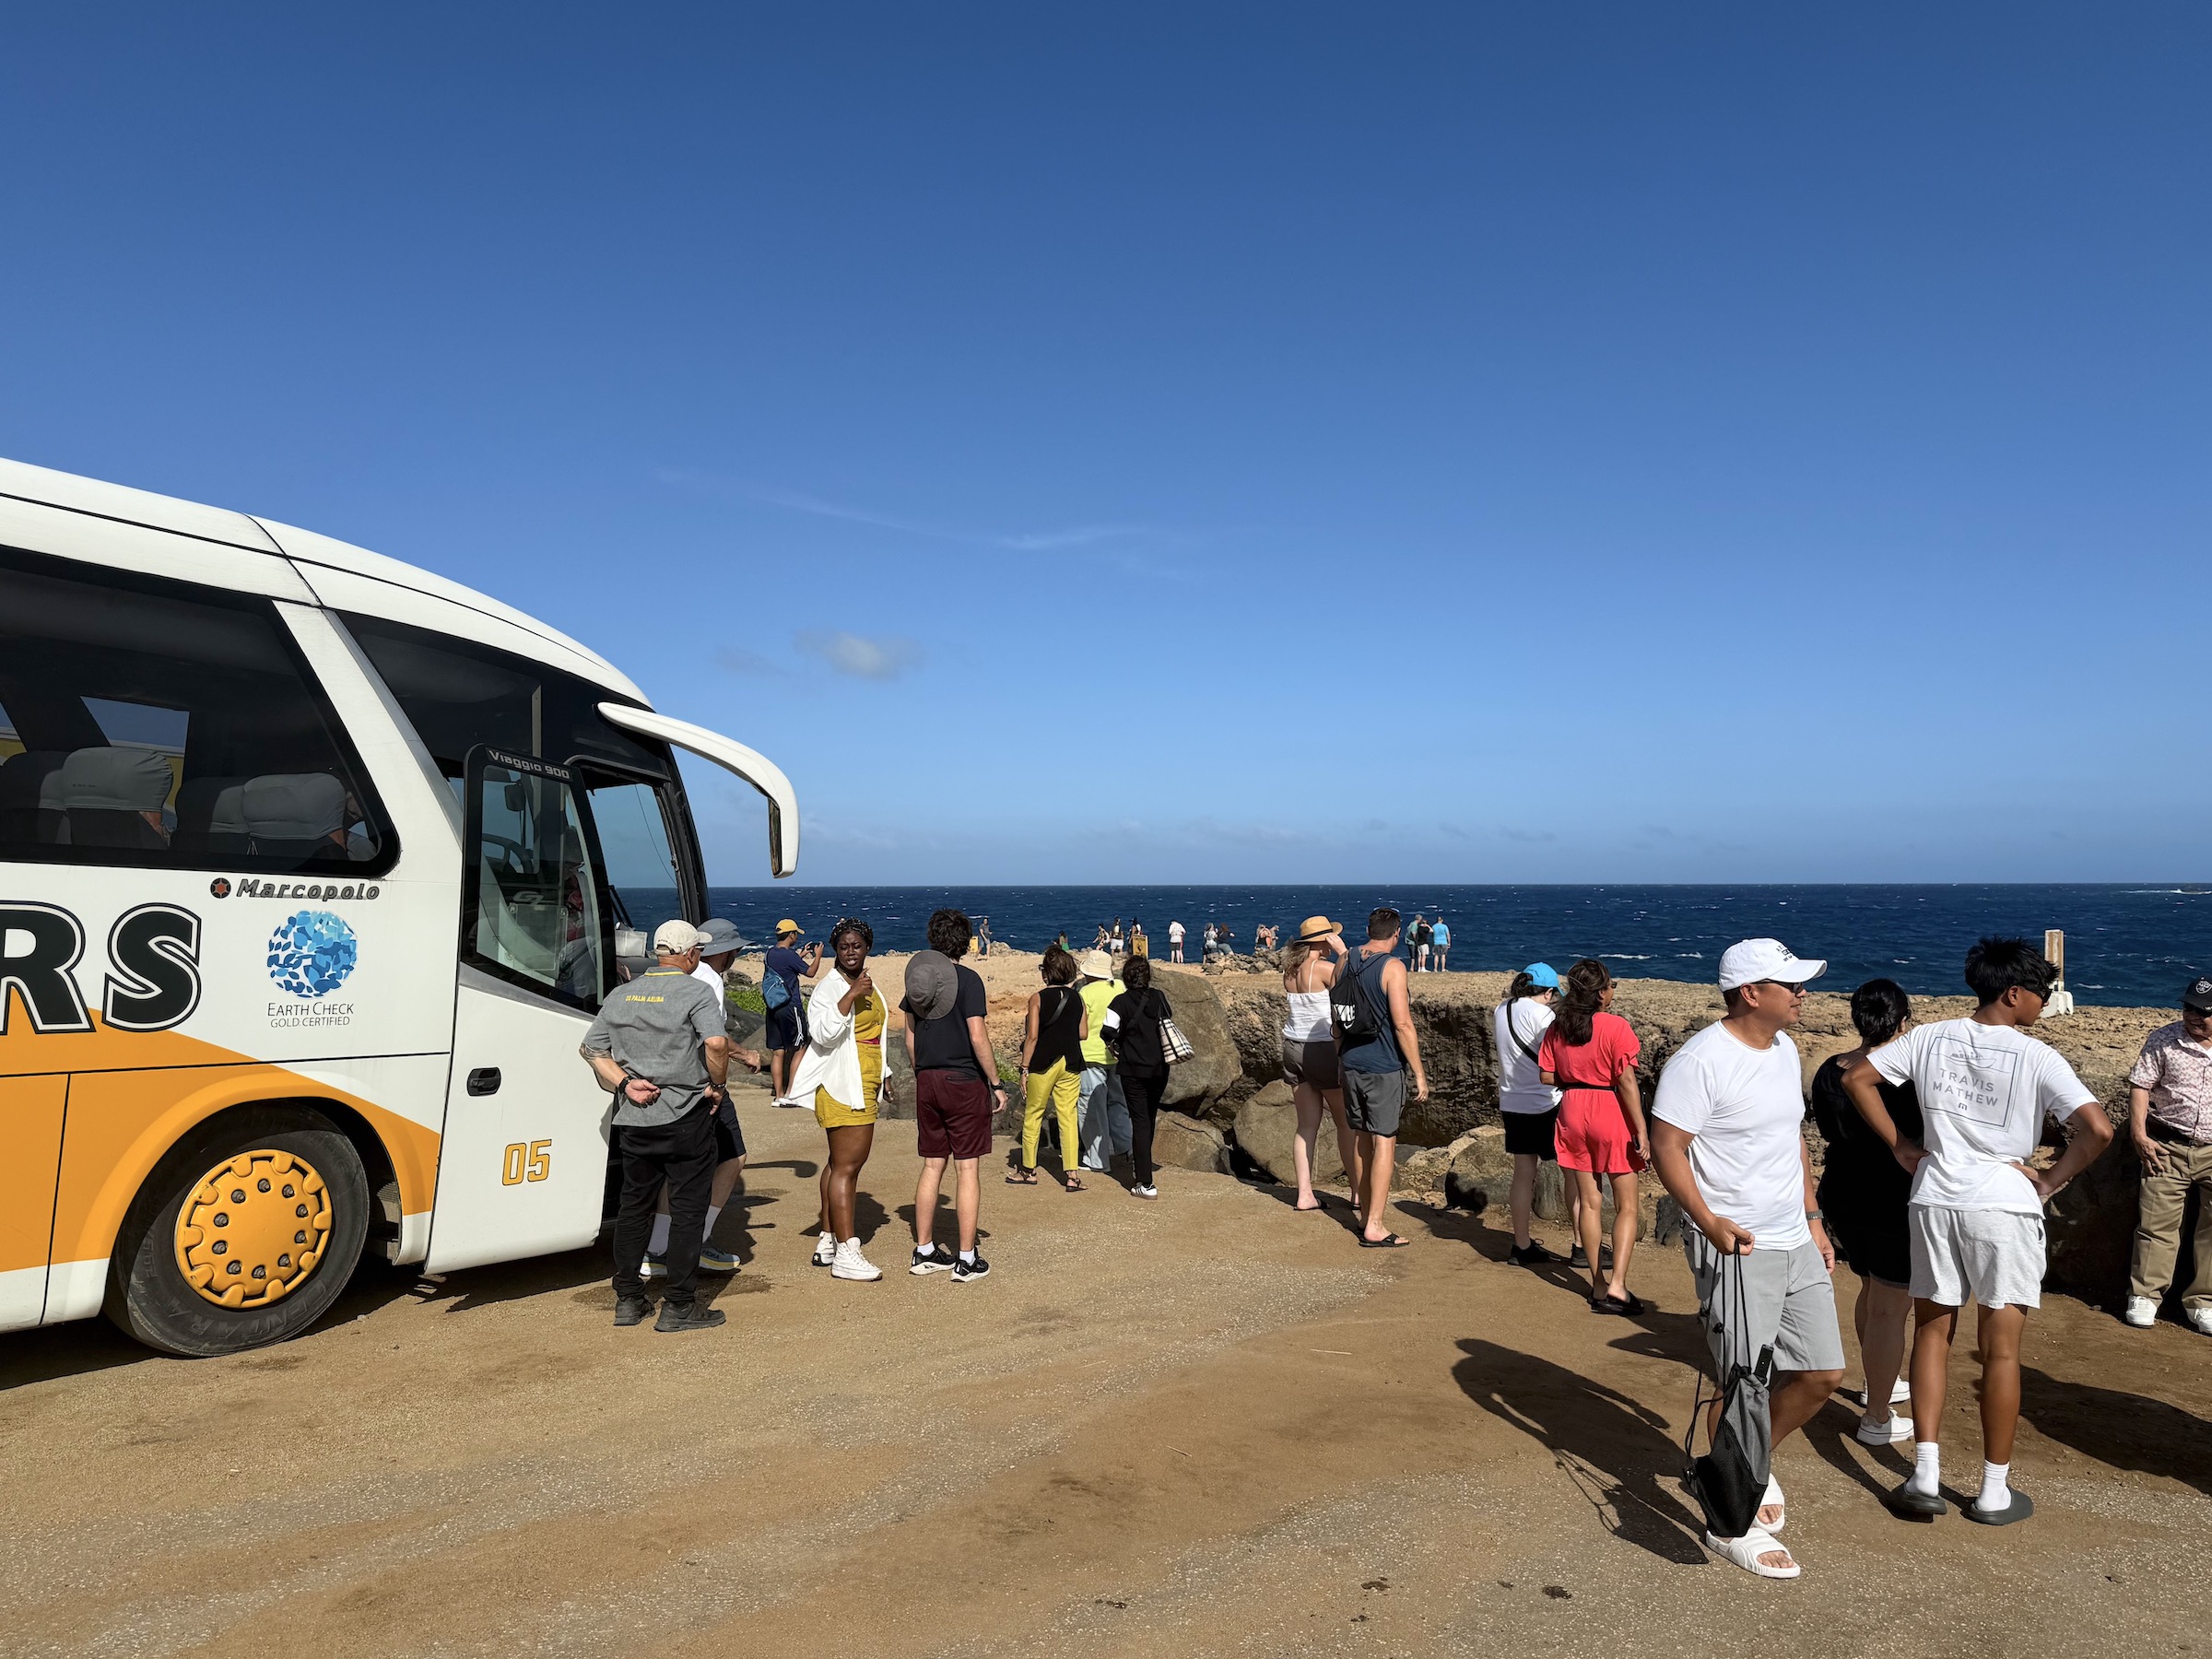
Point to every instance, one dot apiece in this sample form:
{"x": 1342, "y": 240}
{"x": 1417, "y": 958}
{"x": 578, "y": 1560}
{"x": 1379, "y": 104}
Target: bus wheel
{"x": 244, "y": 1234}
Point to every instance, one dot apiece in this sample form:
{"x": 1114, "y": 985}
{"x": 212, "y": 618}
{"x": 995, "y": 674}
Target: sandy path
{"x": 1204, "y": 1426}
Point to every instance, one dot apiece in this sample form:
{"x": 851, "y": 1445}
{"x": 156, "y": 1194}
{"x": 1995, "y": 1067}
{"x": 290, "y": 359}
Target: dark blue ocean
{"x": 2126, "y": 945}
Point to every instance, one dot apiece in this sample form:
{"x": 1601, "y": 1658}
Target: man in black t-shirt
{"x": 956, "y": 1090}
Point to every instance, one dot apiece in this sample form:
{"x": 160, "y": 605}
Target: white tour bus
{"x": 312, "y": 871}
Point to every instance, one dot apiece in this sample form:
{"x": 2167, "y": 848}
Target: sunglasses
{"x": 1795, "y": 990}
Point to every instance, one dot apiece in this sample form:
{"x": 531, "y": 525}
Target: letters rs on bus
{"x": 154, "y": 951}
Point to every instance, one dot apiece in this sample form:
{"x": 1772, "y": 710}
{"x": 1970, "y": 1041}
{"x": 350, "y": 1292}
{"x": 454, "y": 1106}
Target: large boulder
{"x": 1266, "y": 1125}
{"x": 1214, "y": 1064}
{"x": 1481, "y": 1176}
{"x": 1185, "y": 1143}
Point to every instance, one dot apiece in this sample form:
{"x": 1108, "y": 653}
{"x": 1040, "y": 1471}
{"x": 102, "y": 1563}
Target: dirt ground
{"x": 1209, "y": 1425}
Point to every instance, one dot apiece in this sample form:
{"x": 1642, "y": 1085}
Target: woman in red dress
{"x": 1590, "y": 1053}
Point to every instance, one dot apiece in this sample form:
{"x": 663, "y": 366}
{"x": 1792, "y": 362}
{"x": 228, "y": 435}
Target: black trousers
{"x": 682, "y": 1154}
{"x": 1142, "y": 1093}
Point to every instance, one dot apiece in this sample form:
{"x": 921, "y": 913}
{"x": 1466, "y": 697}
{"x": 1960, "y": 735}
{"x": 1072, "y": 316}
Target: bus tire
{"x": 296, "y": 1171}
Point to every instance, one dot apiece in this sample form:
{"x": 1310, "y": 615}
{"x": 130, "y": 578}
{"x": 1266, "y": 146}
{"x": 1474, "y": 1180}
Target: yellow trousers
{"x": 1061, "y": 1088}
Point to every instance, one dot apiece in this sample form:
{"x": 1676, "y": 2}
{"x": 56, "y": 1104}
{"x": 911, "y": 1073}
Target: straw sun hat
{"x": 1318, "y": 927}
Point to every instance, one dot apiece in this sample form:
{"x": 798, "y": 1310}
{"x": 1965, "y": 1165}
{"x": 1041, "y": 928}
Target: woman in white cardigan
{"x": 841, "y": 1069}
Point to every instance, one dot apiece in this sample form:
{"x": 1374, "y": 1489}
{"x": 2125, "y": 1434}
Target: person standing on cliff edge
{"x": 1376, "y": 1047}
{"x": 1729, "y": 1145}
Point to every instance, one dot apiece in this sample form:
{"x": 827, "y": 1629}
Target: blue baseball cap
{"x": 1541, "y": 975}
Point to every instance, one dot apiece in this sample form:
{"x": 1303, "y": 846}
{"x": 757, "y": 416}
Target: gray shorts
{"x": 1789, "y": 1304}
{"x": 1313, "y": 1063}
{"x": 1988, "y": 1256}
{"x": 1373, "y": 1101}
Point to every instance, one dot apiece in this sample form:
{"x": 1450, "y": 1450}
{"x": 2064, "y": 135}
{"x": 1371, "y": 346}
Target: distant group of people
{"x": 1926, "y": 1187}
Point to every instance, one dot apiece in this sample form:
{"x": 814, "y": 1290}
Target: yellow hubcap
{"x": 253, "y": 1228}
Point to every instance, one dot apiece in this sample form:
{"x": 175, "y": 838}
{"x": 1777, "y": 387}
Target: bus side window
{"x": 149, "y": 723}
{"x": 630, "y": 818}
{"x": 531, "y": 907}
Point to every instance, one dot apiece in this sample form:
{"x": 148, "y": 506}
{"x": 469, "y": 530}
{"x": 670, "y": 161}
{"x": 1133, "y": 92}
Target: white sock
{"x": 658, "y": 1244}
{"x": 1927, "y": 1467}
{"x": 1996, "y": 1487}
{"x": 928, "y": 1249}
{"x": 968, "y": 1256}
{"x": 707, "y": 1232}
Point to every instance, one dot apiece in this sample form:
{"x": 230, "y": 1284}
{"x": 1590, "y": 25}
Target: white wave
{"x": 1622, "y": 956}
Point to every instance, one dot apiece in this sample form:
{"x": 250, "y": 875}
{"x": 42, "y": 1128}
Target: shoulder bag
{"x": 1174, "y": 1047}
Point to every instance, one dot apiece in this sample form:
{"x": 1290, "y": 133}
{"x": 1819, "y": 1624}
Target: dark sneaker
{"x": 934, "y": 1261}
{"x": 1531, "y": 1255}
{"x": 630, "y": 1310}
{"x": 693, "y": 1318}
{"x": 965, "y": 1273}
{"x": 1578, "y": 1258}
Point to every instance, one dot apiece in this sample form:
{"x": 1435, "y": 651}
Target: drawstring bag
{"x": 1730, "y": 1480}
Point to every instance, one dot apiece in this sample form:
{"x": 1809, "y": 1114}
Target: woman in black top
{"x": 1052, "y": 1063}
{"x": 1133, "y": 1032}
{"x": 1863, "y": 1193}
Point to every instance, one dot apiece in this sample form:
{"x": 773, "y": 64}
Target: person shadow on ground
{"x": 1621, "y": 1456}
{"x": 2125, "y": 1431}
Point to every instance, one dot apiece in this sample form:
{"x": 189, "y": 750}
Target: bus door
{"x": 523, "y": 1165}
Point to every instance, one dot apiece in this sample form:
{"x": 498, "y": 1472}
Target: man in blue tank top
{"x": 1374, "y": 1063}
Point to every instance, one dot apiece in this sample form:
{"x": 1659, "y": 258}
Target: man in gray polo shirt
{"x": 659, "y": 1048}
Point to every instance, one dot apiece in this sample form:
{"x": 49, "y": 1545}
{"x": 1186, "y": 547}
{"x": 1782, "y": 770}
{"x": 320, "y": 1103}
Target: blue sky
{"x": 1193, "y": 444}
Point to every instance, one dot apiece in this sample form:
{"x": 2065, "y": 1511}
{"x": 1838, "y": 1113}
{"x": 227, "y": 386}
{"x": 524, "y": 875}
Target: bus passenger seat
{"x": 31, "y": 810}
{"x": 115, "y": 796}
{"x": 211, "y": 818}
{"x": 295, "y": 815}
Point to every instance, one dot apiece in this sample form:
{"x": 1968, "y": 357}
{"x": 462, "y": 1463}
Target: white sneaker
{"x": 1895, "y": 1432}
{"x": 2143, "y": 1313}
{"x": 849, "y": 1264}
{"x": 2199, "y": 1318}
{"x": 1900, "y": 1392}
{"x": 825, "y": 1248}
{"x": 1144, "y": 1192}
{"x": 653, "y": 1267}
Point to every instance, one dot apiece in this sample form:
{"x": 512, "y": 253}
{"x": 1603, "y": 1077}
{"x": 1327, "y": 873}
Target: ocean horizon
{"x": 2127, "y": 944}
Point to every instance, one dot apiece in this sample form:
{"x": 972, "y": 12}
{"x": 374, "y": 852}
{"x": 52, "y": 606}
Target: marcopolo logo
{"x": 311, "y": 954}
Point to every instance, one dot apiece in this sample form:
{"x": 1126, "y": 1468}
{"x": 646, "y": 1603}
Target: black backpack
{"x": 1351, "y": 1011}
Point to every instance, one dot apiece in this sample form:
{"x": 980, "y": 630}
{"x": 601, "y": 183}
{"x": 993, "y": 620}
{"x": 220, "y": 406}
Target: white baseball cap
{"x": 1755, "y": 960}
{"x": 673, "y": 938}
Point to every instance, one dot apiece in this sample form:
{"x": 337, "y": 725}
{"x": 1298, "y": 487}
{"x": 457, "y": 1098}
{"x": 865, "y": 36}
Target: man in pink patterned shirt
{"x": 2169, "y": 1115}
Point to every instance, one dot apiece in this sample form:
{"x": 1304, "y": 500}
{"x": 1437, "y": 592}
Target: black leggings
{"x": 1142, "y": 1093}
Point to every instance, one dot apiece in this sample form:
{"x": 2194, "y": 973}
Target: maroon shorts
{"x": 952, "y": 1116}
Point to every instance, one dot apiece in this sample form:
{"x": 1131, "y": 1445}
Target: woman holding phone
{"x": 1589, "y": 1054}
{"x": 841, "y": 1071}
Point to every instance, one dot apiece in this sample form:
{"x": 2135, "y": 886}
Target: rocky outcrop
{"x": 1187, "y": 1143}
{"x": 1266, "y": 1125}
{"x": 1215, "y": 1065}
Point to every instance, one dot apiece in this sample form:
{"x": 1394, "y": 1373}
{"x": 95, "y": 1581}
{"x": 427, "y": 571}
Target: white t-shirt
{"x": 712, "y": 980}
{"x": 1985, "y": 1091}
{"x": 1174, "y": 933}
{"x": 1745, "y": 1105}
{"x": 1520, "y": 1083}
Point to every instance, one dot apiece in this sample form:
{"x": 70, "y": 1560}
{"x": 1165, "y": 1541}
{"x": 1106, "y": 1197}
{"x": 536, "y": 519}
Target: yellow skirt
{"x": 831, "y": 1114}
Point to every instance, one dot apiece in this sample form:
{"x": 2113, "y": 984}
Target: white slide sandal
{"x": 1744, "y": 1553}
{"x": 1773, "y": 1499}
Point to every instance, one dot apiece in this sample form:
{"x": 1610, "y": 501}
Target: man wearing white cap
{"x": 1728, "y": 1144}
{"x": 658, "y": 1046}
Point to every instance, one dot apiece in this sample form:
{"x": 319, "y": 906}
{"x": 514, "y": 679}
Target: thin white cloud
{"x": 791, "y": 500}
{"x": 859, "y": 656}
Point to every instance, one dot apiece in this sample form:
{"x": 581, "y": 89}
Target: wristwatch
{"x": 1813, "y": 1214}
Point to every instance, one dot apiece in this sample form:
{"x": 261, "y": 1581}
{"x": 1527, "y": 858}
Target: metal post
{"x": 2061, "y": 1000}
